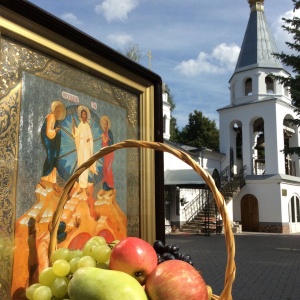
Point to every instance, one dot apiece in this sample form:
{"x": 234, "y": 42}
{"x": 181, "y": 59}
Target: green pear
{"x": 92, "y": 283}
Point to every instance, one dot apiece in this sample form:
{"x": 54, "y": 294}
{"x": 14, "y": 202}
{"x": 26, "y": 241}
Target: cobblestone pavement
{"x": 267, "y": 265}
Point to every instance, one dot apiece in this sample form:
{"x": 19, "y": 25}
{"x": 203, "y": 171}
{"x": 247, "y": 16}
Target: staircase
{"x": 205, "y": 221}
{"x": 202, "y": 213}
{"x": 231, "y": 185}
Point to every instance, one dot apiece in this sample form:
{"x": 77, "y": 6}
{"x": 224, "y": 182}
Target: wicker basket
{"x": 229, "y": 239}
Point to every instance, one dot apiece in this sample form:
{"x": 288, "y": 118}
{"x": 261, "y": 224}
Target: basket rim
{"x": 158, "y": 146}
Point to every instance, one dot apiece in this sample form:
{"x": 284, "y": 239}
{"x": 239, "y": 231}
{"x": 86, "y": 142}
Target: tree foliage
{"x": 200, "y": 132}
{"x": 170, "y": 97}
{"x": 292, "y": 26}
{"x": 133, "y": 52}
{"x": 174, "y": 130}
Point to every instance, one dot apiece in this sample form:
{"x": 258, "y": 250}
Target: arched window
{"x": 259, "y": 147}
{"x": 294, "y": 210}
{"x": 294, "y": 214}
{"x": 238, "y": 140}
{"x": 269, "y": 85}
{"x": 286, "y": 90}
{"x": 248, "y": 87}
{"x": 164, "y": 124}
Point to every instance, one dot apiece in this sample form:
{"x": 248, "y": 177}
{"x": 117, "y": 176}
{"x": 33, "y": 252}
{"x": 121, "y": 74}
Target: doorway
{"x": 249, "y": 213}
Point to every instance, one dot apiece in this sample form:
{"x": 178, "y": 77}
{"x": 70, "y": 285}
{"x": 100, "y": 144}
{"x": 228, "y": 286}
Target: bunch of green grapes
{"x": 53, "y": 281}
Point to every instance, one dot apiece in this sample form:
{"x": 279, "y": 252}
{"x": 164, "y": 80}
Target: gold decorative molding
{"x": 256, "y": 5}
{"x": 17, "y": 58}
{"x": 9, "y": 129}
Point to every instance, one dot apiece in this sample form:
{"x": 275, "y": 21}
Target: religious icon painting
{"x": 61, "y": 101}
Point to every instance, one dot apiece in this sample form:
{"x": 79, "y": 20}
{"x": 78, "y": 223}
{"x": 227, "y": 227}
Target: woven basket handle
{"x": 229, "y": 239}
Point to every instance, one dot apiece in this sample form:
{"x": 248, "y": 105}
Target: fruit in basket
{"x": 102, "y": 253}
{"x": 159, "y": 247}
{"x": 47, "y": 276}
{"x": 98, "y": 284}
{"x": 135, "y": 257}
{"x": 86, "y": 261}
{"x": 59, "y": 287}
{"x": 30, "y": 290}
{"x": 61, "y": 268}
{"x": 209, "y": 291}
{"x": 176, "y": 279}
{"x": 42, "y": 293}
{"x": 170, "y": 252}
{"x": 60, "y": 253}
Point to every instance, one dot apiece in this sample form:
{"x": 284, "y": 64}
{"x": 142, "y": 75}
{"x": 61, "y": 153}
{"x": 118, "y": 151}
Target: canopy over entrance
{"x": 187, "y": 177}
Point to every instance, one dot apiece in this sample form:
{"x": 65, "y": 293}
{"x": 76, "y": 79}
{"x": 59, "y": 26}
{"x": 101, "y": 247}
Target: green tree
{"x": 133, "y": 52}
{"x": 170, "y": 97}
{"x": 292, "y": 26}
{"x": 174, "y": 130}
{"x": 200, "y": 132}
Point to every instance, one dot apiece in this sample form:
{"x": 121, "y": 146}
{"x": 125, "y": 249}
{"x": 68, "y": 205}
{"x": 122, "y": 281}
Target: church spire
{"x": 258, "y": 45}
{"x": 256, "y": 5}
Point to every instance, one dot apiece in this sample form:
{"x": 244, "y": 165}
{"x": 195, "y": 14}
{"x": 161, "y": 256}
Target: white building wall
{"x": 273, "y": 205}
{"x": 269, "y": 204}
{"x": 273, "y": 128}
{"x": 259, "y": 91}
{"x": 166, "y": 116}
{"x": 209, "y": 159}
{"x": 171, "y": 162}
{"x": 292, "y": 189}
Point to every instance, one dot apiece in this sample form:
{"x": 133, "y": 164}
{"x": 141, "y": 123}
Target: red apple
{"x": 135, "y": 257}
{"x": 176, "y": 279}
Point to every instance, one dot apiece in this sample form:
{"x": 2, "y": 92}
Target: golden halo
{"x": 108, "y": 122}
{"x": 80, "y": 109}
{"x": 54, "y": 105}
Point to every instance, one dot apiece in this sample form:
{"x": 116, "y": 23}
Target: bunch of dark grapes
{"x": 169, "y": 252}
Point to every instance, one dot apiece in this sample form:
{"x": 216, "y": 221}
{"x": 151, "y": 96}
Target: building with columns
{"x": 183, "y": 186}
{"x": 254, "y": 129}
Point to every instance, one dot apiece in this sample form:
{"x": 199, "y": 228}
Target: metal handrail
{"x": 230, "y": 186}
{"x": 194, "y": 207}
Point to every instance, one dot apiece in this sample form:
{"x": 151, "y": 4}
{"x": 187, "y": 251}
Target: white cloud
{"x": 120, "y": 39}
{"x": 222, "y": 59}
{"x": 116, "y": 9}
{"x": 71, "y": 18}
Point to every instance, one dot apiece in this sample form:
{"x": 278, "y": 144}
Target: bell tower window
{"x": 248, "y": 87}
{"x": 286, "y": 90}
{"x": 164, "y": 124}
{"x": 259, "y": 147}
{"x": 269, "y": 85}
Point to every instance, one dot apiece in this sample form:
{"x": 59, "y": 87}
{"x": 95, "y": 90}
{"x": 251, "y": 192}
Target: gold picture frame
{"x": 44, "y": 62}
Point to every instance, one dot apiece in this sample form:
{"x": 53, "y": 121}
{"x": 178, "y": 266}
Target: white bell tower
{"x": 166, "y": 114}
{"x": 254, "y": 128}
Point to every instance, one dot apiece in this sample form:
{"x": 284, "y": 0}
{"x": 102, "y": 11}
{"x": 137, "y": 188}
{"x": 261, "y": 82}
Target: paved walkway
{"x": 267, "y": 265}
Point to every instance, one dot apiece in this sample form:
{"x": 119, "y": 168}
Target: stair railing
{"x": 195, "y": 206}
{"x": 204, "y": 201}
{"x": 225, "y": 176}
{"x": 230, "y": 188}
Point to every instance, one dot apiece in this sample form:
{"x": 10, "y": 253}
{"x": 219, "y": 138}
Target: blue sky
{"x": 194, "y": 43}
